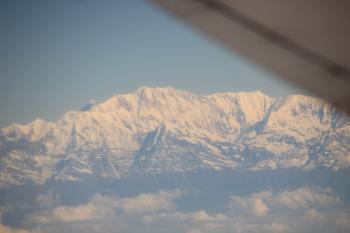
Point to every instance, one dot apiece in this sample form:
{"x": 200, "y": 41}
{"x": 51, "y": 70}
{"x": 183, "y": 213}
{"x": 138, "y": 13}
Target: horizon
{"x": 93, "y": 101}
{"x": 88, "y": 102}
{"x": 58, "y": 55}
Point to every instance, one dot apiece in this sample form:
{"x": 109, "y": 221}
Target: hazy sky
{"x": 56, "y": 55}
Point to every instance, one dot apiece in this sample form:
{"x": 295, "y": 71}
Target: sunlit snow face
{"x": 164, "y": 160}
{"x": 313, "y": 208}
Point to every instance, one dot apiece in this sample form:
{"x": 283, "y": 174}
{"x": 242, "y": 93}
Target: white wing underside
{"x": 304, "y": 42}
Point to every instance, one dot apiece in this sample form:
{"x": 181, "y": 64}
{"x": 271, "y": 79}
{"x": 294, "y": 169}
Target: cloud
{"x": 275, "y": 227}
{"x": 100, "y": 207}
{"x": 149, "y": 202}
{"x": 313, "y": 215}
{"x": 254, "y": 204}
{"x": 343, "y": 220}
{"x": 196, "y": 221}
{"x": 305, "y": 198}
{"x": 196, "y": 216}
{"x": 286, "y": 211}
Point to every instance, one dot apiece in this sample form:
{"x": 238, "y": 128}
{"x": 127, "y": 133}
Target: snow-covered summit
{"x": 155, "y": 130}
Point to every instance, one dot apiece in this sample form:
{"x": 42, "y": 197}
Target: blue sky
{"x": 56, "y": 55}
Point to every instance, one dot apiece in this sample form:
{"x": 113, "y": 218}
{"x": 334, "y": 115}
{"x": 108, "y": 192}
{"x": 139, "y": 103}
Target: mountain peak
{"x": 89, "y": 105}
{"x": 150, "y": 92}
{"x": 163, "y": 129}
{"x": 154, "y": 89}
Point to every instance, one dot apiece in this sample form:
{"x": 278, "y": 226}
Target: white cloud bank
{"x": 100, "y": 207}
{"x": 300, "y": 199}
{"x": 287, "y": 211}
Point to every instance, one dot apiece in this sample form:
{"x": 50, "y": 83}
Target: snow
{"x": 191, "y": 131}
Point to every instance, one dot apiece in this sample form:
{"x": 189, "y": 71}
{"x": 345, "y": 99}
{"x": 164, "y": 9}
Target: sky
{"x": 57, "y": 55}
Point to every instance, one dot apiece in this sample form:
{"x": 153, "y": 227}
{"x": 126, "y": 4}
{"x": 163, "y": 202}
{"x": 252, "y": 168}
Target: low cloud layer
{"x": 316, "y": 209}
{"x": 101, "y": 207}
{"x": 300, "y": 199}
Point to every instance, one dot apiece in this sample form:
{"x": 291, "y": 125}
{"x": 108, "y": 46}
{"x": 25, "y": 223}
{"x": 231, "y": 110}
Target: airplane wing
{"x": 304, "y": 42}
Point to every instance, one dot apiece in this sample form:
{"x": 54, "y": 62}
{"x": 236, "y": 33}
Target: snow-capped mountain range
{"x": 164, "y": 130}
